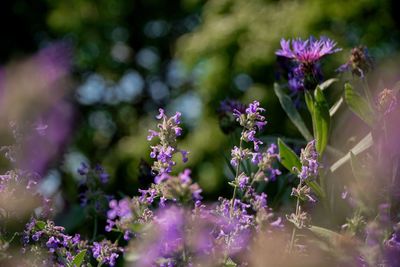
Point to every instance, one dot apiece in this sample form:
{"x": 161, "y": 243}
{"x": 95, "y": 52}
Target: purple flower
{"x": 243, "y": 180}
{"x": 304, "y": 71}
{"x": 309, "y": 161}
{"x": 163, "y": 152}
{"x": 307, "y": 51}
{"x": 105, "y": 252}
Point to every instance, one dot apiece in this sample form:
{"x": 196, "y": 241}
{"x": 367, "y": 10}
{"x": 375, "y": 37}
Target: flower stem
{"x": 292, "y": 240}
{"x": 237, "y": 174}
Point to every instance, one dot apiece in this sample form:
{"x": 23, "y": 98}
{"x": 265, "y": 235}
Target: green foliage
{"x": 291, "y": 111}
{"x": 358, "y": 104}
{"x": 288, "y": 158}
{"x": 78, "y": 259}
{"x": 321, "y": 120}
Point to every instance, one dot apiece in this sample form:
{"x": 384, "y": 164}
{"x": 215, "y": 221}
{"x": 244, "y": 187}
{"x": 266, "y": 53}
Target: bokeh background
{"x": 127, "y": 58}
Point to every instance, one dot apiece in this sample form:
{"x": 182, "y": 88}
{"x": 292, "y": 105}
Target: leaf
{"x": 335, "y": 107}
{"x": 40, "y": 225}
{"x": 316, "y": 188}
{"x": 230, "y": 263}
{"x": 288, "y": 158}
{"x": 291, "y": 111}
{"x": 361, "y": 146}
{"x": 358, "y": 105}
{"x": 78, "y": 259}
{"x": 327, "y": 83}
{"x": 324, "y": 233}
{"x": 322, "y": 120}
{"x": 309, "y": 102}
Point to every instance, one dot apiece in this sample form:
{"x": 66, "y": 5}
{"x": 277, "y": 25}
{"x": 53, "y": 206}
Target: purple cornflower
{"x": 307, "y": 51}
{"x": 163, "y": 152}
{"x": 305, "y": 71}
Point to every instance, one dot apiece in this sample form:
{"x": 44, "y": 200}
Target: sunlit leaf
{"x": 328, "y": 83}
{"x": 335, "y": 107}
{"x": 358, "y": 105}
{"x": 361, "y": 146}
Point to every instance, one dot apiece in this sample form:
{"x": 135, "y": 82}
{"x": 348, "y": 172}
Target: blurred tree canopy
{"x": 131, "y": 57}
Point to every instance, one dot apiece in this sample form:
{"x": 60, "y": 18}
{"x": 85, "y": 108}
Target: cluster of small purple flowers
{"x": 304, "y": 57}
{"x": 106, "y": 252}
{"x": 309, "y": 162}
{"x": 61, "y": 246}
{"x": 163, "y": 152}
{"x": 251, "y": 121}
{"x": 125, "y": 213}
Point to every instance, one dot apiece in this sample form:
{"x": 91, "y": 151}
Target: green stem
{"x": 95, "y": 227}
{"x": 296, "y": 215}
{"x": 237, "y": 175}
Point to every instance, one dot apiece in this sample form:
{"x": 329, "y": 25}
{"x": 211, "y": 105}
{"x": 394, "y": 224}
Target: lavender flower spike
{"x": 163, "y": 152}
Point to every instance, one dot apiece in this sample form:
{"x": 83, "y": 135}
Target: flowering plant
{"x": 312, "y": 220}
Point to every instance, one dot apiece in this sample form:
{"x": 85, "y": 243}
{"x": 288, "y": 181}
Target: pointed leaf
{"x": 358, "y": 105}
{"x": 322, "y": 120}
{"x": 316, "y": 188}
{"x": 288, "y": 158}
{"x": 324, "y": 233}
{"x": 335, "y": 107}
{"x": 78, "y": 259}
{"x": 309, "y": 102}
{"x": 328, "y": 83}
{"x": 291, "y": 111}
{"x": 361, "y": 146}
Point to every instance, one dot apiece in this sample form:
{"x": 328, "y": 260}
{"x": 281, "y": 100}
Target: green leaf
{"x": 309, "y": 102}
{"x": 40, "y": 225}
{"x": 291, "y": 111}
{"x": 328, "y": 83}
{"x": 324, "y": 233}
{"x": 358, "y": 104}
{"x": 361, "y": 146}
{"x": 78, "y": 259}
{"x": 322, "y": 120}
{"x": 335, "y": 107}
{"x": 316, "y": 188}
{"x": 288, "y": 158}
{"x": 230, "y": 263}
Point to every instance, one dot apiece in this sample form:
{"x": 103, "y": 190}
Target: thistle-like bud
{"x": 359, "y": 63}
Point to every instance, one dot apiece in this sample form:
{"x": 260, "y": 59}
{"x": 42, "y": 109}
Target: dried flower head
{"x": 359, "y": 63}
